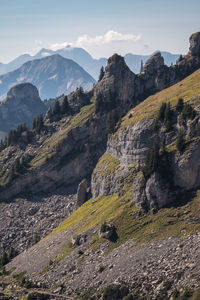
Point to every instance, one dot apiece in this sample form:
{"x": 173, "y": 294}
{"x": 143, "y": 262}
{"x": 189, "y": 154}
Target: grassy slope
{"x": 173, "y": 221}
{"x": 48, "y": 147}
{"x": 188, "y": 89}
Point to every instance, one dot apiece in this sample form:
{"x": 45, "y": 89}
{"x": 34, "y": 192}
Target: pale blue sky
{"x": 141, "y": 26}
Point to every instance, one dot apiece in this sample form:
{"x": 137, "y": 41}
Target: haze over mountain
{"x": 85, "y": 60}
{"x": 20, "y": 106}
{"x": 52, "y": 75}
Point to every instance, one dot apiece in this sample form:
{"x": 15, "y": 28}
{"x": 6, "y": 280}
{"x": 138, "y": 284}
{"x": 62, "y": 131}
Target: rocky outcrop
{"x": 21, "y": 105}
{"x": 195, "y": 44}
{"x": 125, "y": 88}
{"x": 177, "y": 172}
{"x": 82, "y": 192}
{"x": 117, "y": 83}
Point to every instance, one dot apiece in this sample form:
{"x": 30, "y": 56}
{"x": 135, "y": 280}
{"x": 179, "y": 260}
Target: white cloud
{"x": 110, "y": 37}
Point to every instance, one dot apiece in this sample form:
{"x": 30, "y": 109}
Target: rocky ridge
{"x": 85, "y": 141}
{"x": 124, "y": 193}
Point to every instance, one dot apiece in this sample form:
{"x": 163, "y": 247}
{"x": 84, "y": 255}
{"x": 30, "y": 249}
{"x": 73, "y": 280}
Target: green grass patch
{"x": 91, "y": 214}
{"x": 187, "y": 89}
{"x": 174, "y": 221}
{"x": 107, "y": 165}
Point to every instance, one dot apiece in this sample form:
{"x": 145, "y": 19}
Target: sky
{"x": 102, "y": 27}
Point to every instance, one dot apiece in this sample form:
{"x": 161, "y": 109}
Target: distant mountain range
{"x": 85, "y": 60}
{"x": 79, "y": 55}
{"x": 52, "y": 75}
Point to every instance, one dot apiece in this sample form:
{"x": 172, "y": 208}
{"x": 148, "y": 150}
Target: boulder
{"x": 106, "y": 231}
{"x": 79, "y": 239}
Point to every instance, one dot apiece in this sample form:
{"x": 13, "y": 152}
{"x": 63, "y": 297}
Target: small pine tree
{"x": 64, "y": 106}
{"x": 179, "y": 105}
{"x": 39, "y": 123}
{"x": 4, "y": 258}
{"x": 180, "y": 58}
{"x": 56, "y": 108}
{"x": 141, "y": 66}
{"x": 161, "y": 113}
{"x": 79, "y": 91}
{"x": 168, "y": 117}
{"x": 12, "y": 253}
{"x": 152, "y": 159}
{"x": 101, "y": 73}
{"x": 188, "y": 112}
{"x": 180, "y": 142}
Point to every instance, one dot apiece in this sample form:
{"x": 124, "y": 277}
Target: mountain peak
{"x": 154, "y": 63}
{"x": 21, "y": 91}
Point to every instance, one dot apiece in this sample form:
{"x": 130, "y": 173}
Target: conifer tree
{"x": 142, "y": 66}
{"x": 101, "y": 73}
{"x": 56, "y": 108}
{"x": 179, "y": 106}
{"x": 180, "y": 142}
{"x": 64, "y": 106}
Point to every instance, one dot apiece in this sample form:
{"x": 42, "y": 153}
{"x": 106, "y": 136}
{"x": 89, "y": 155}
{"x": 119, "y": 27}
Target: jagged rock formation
{"x": 127, "y": 152}
{"x": 21, "y": 105}
{"x": 128, "y": 191}
{"x": 79, "y": 148}
{"x": 129, "y": 89}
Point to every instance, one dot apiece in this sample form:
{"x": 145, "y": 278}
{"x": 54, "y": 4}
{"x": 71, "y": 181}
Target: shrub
{"x": 104, "y": 227}
{"x": 188, "y": 112}
{"x": 101, "y": 269}
{"x": 111, "y": 291}
{"x": 36, "y": 238}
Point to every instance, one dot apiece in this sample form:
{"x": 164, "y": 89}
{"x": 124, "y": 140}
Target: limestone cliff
{"x": 127, "y": 151}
